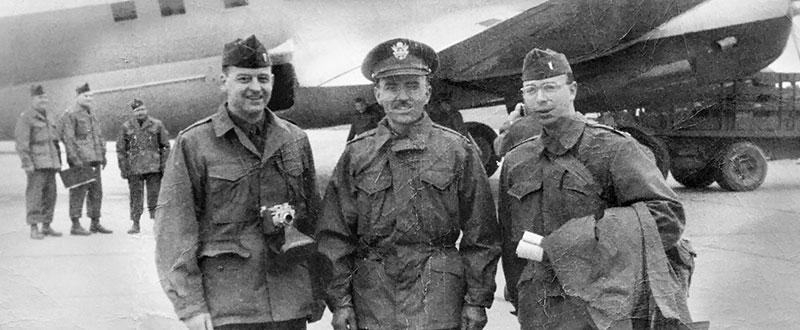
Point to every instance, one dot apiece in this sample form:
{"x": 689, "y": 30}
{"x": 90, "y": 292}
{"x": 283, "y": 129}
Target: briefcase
{"x": 78, "y": 176}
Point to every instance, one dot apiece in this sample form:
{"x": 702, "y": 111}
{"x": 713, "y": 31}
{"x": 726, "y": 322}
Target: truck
{"x": 725, "y": 132}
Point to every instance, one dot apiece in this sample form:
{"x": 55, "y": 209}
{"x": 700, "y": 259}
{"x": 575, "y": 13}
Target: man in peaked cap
{"x": 38, "y": 149}
{"x": 570, "y": 196}
{"x": 142, "y": 151}
{"x": 83, "y": 140}
{"x": 218, "y": 250}
{"x": 398, "y": 199}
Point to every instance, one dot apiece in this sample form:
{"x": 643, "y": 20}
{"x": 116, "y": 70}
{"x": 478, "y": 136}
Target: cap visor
{"x": 402, "y": 71}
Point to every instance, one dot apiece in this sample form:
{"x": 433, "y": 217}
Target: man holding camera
{"x": 220, "y": 254}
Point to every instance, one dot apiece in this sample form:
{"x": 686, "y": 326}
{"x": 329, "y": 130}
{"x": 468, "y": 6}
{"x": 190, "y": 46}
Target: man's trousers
{"x": 40, "y": 196}
{"x": 137, "y": 184}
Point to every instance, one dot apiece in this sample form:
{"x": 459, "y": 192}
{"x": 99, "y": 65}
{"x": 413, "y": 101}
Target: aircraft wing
{"x": 581, "y": 29}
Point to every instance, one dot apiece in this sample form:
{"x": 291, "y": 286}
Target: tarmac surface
{"x": 747, "y": 274}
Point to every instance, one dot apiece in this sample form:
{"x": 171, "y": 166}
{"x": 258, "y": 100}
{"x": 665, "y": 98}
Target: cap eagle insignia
{"x": 400, "y": 50}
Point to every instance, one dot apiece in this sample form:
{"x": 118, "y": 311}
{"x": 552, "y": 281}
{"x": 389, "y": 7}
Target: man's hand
{"x": 29, "y": 170}
{"x": 344, "y": 319}
{"x": 473, "y": 318}
{"x": 200, "y": 321}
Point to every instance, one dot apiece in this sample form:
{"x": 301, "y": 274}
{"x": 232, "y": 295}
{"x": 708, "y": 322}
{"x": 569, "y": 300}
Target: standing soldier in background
{"x": 398, "y": 200}
{"x": 219, "y": 254}
{"x": 83, "y": 141}
{"x": 587, "y": 219}
{"x": 142, "y": 151}
{"x": 443, "y": 114}
{"x": 37, "y": 146}
{"x": 365, "y": 118}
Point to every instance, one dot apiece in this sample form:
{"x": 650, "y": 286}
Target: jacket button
{"x": 220, "y": 268}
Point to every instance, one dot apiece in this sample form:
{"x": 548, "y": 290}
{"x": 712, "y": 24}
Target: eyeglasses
{"x": 548, "y": 89}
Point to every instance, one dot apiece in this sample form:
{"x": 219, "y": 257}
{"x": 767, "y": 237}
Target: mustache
{"x": 398, "y": 104}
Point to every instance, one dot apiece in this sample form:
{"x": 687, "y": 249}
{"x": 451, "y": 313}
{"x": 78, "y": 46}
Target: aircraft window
{"x": 123, "y": 11}
{"x": 172, "y": 7}
{"x": 490, "y": 22}
{"x": 234, "y": 3}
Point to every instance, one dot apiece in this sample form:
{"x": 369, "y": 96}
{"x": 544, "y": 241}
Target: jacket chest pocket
{"x": 439, "y": 204}
{"x": 143, "y": 140}
{"x": 230, "y": 197}
{"x": 580, "y": 196}
{"x": 83, "y": 126}
{"x": 40, "y": 132}
{"x": 372, "y": 188}
{"x": 526, "y": 204}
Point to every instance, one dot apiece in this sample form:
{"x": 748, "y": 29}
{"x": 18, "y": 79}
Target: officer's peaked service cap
{"x": 399, "y": 57}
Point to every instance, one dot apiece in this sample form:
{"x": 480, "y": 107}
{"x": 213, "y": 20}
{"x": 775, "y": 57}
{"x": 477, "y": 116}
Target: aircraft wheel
{"x": 742, "y": 167}
{"x": 484, "y": 139}
{"x": 695, "y": 178}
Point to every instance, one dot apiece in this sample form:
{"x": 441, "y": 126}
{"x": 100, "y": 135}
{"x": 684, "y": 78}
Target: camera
{"x": 283, "y": 216}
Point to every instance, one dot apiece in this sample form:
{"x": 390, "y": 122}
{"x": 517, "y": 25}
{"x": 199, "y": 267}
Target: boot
{"x": 135, "y": 228}
{"x": 35, "y": 233}
{"x": 77, "y": 229}
{"x": 96, "y": 227}
{"x": 47, "y": 231}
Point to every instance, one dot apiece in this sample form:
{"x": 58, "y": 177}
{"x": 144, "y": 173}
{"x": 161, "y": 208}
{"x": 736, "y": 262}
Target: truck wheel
{"x": 695, "y": 178}
{"x": 484, "y": 139}
{"x": 742, "y": 167}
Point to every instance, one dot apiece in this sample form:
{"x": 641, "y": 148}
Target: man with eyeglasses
{"x": 586, "y": 218}
{"x": 398, "y": 200}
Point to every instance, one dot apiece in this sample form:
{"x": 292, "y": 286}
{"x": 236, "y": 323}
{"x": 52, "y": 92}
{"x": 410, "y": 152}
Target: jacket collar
{"x": 278, "y": 132}
{"x": 39, "y": 115}
{"x": 415, "y": 139}
{"x": 146, "y": 123}
{"x": 561, "y": 137}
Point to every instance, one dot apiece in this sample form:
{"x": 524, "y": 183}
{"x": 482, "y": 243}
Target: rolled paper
{"x": 532, "y": 238}
{"x": 529, "y": 251}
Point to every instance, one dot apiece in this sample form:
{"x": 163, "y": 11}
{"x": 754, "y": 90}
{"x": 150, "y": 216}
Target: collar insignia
{"x": 400, "y": 50}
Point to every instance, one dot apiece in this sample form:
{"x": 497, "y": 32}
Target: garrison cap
{"x": 399, "y": 56}
{"x": 136, "y": 104}
{"x": 82, "y": 88}
{"x": 542, "y": 64}
{"x": 37, "y": 90}
{"x": 248, "y": 53}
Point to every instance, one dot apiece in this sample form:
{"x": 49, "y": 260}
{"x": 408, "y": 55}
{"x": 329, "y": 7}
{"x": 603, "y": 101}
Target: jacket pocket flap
{"x": 227, "y": 172}
{"x": 452, "y": 265}
{"x": 575, "y": 183}
{"x": 521, "y": 189}
{"x": 373, "y": 182}
{"x": 215, "y": 249}
{"x": 439, "y": 179}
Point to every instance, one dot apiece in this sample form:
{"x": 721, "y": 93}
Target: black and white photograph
{"x": 400, "y": 165}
